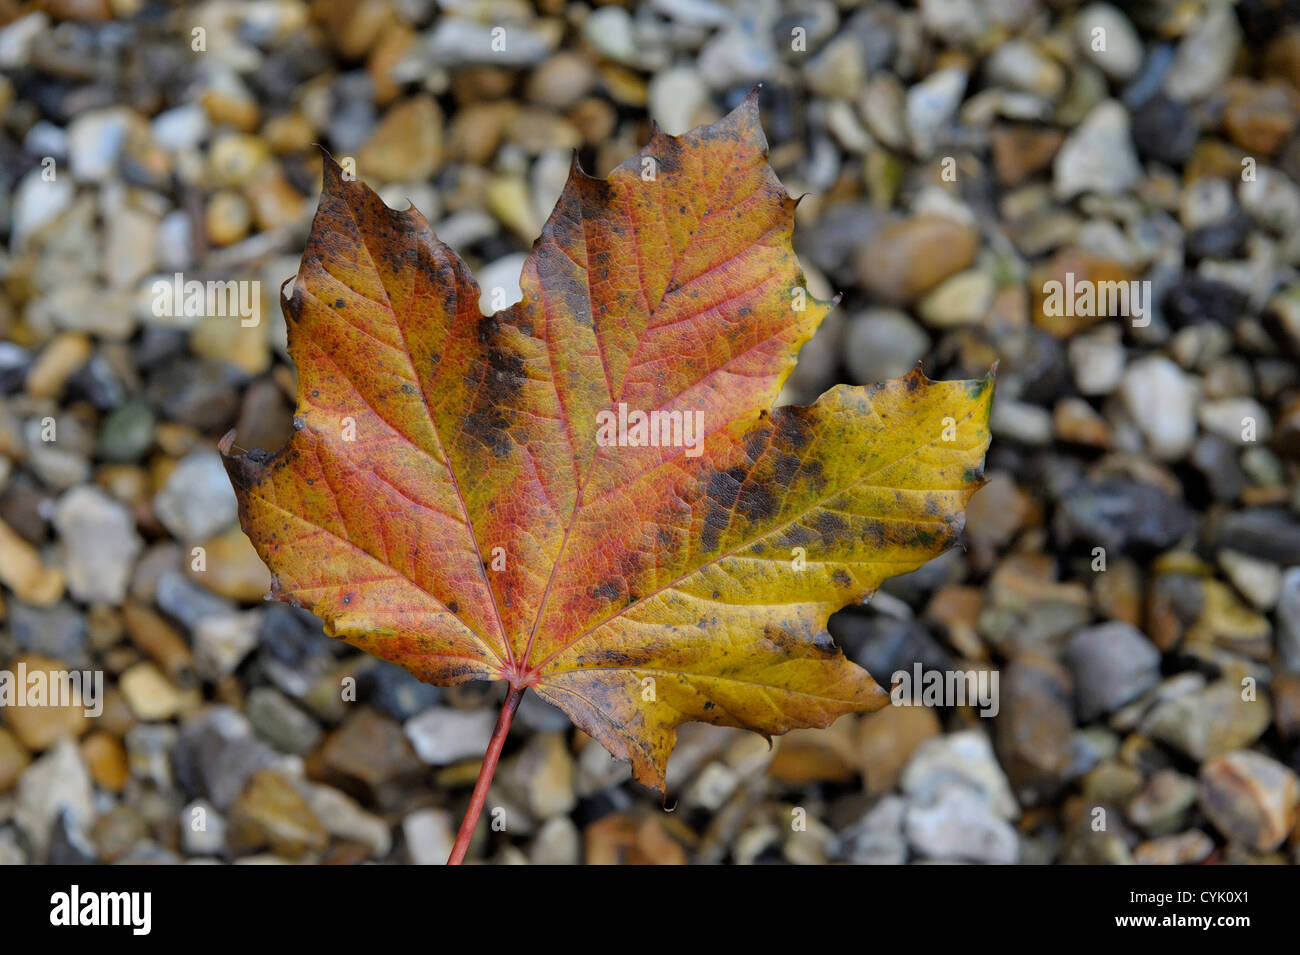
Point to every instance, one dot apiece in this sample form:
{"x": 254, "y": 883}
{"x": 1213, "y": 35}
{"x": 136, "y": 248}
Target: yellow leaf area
{"x": 470, "y": 497}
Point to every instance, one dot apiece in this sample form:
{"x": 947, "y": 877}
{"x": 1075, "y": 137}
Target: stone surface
{"x": 271, "y": 812}
{"x": 1098, "y": 156}
{"x": 906, "y": 259}
{"x": 956, "y": 824}
{"x": 1250, "y": 798}
{"x": 100, "y": 545}
{"x": 443, "y": 734}
{"x": 1113, "y": 664}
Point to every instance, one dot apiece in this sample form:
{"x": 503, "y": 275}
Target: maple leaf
{"x": 480, "y": 498}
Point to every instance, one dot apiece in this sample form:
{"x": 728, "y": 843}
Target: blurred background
{"x": 1130, "y": 570}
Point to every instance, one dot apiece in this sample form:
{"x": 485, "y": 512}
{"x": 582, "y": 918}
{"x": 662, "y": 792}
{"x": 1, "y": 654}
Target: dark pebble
{"x": 1197, "y": 299}
{"x": 1124, "y": 515}
{"x": 1164, "y": 130}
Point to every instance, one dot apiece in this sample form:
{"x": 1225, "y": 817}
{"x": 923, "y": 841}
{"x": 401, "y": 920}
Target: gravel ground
{"x": 1132, "y": 570}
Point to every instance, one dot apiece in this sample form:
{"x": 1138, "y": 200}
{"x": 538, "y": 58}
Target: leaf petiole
{"x": 485, "y": 773}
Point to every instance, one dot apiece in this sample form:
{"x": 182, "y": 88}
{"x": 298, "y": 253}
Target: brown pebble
{"x": 271, "y": 812}
{"x": 39, "y": 725}
{"x": 904, "y": 260}
{"x": 105, "y": 756}
{"x": 1021, "y": 151}
{"x": 14, "y": 758}
{"x": 1250, "y": 798}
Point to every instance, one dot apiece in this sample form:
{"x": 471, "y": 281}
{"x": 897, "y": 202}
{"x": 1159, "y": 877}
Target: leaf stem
{"x": 485, "y": 773}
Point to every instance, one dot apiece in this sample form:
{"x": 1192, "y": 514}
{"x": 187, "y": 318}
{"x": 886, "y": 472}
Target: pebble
{"x": 1204, "y": 58}
{"x": 1286, "y": 705}
{"x": 883, "y": 343}
{"x": 344, "y": 818}
{"x": 1021, "y": 421}
{"x": 711, "y": 788}
{"x": 1035, "y": 725}
{"x": 100, "y": 545}
{"x": 597, "y": 771}
{"x": 271, "y": 812}
{"x": 96, "y": 140}
{"x": 1271, "y": 534}
{"x": 152, "y": 696}
{"x": 903, "y": 261}
{"x": 499, "y": 282}
{"x": 739, "y": 55}
{"x": 398, "y": 693}
{"x": 541, "y": 775}
{"x": 1185, "y": 848}
{"x": 197, "y": 501}
{"x": 202, "y": 829}
{"x": 930, "y": 106}
{"x": 56, "y": 362}
{"x": 199, "y": 392}
{"x": 1240, "y": 421}
{"x": 558, "y": 842}
{"x": 407, "y": 144}
{"x": 56, "y": 786}
{"x": 1116, "y": 49}
{"x": 956, "y": 824}
{"x": 677, "y": 98}
{"x": 57, "y": 631}
{"x": 14, "y": 758}
{"x": 227, "y": 218}
{"x": 561, "y": 81}
{"x": 231, "y": 567}
{"x": 37, "y": 203}
{"x": 1021, "y": 65}
{"x": 116, "y": 832}
{"x": 429, "y": 835}
{"x": 23, "y": 571}
{"x": 371, "y": 749}
{"x": 1161, "y": 399}
{"x": 964, "y": 759}
{"x": 127, "y": 433}
{"x": 216, "y": 753}
{"x": 887, "y": 740}
{"x": 1113, "y": 664}
{"x": 1288, "y": 620}
{"x": 1250, "y": 798}
{"x": 40, "y": 727}
{"x": 1258, "y": 580}
{"x": 961, "y": 299}
{"x": 1209, "y": 722}
{"x": 149, "y": 748}
{"x": 877, "y": 838}
{"x": 187, "y": 602}
{"x": 106, "y": 759}
{"x": 623, "y": 839}
{"x": 280, "y": 722}
{"x": 1163, "y": 804}
{"x": 1271, "y": 200}
{"x": 1020, "y": 152}
{"x": 838, "y": 69}
{"x": 1165, "y": 130}
{"x": 1098, "y": 156}
{"x": 444, "y": 734}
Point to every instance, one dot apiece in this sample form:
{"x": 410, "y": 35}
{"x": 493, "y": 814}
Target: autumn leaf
{"x": 589, "y": 494}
